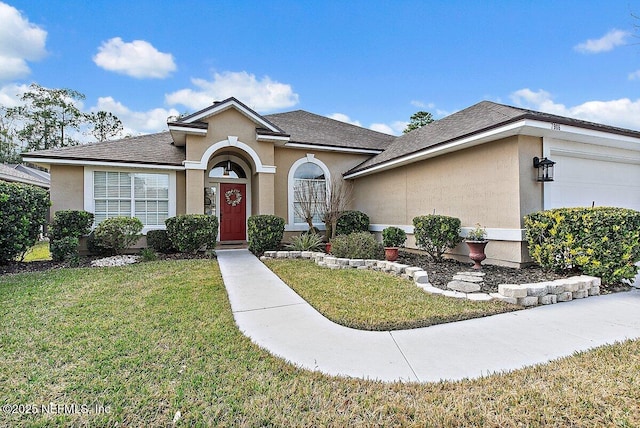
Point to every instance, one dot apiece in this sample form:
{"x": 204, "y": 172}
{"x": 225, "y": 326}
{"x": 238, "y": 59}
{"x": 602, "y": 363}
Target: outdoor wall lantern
{"x": 544, "y": 167}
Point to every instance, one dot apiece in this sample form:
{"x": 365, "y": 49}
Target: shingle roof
{"x": 309, "y": 128}
{"x": 8, "y": 173}
{"x": 144, "y": 149}
{"x": 478, "y": 118}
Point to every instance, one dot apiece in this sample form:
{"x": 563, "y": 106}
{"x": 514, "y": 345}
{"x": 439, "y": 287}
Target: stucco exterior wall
{"x": 478, "y": 185}
{"x": 67, "y": 188}
{"x": 181, "y": 201}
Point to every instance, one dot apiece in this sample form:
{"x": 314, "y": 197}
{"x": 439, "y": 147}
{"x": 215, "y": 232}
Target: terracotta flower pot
{"x": 391, "y": 253}
{"x": 476, "y": 252}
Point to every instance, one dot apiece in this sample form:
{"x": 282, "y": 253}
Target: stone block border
{"x": 533, "y": 294}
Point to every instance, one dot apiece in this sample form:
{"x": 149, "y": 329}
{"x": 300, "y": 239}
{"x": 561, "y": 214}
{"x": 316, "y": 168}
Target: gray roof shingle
{"x": 145, "y": 149}
{"x": 478, "y": 118}
{"x": 309, "y": 128}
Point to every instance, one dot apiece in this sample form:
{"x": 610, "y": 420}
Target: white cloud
{"x": 137, "y": 59}
{"x": 136, "y": 122}
{"x": 20, "y": 41}
{"x": 262, "y": 95}
{"x": 422, "y": 105}
{"x": 10, "y": 94}
{"x": 343, "y": 118}
{"x": 622, "y": 112}
{"x": 635, "y": 75}
{"x": 382, "y": 127}
{"x": 605, "y": 43}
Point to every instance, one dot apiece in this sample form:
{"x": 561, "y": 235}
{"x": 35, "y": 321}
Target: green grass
{"x": 38, "y": 252}
{"x": 152, "y": 339}
{"x": 371, "y": 300}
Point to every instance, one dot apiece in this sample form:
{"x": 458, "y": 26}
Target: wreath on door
{"x": 233, "y": 197}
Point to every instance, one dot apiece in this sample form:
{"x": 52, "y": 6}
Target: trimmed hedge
{"x": 265, "y": 233}
{"x": 159, "y": 241}
{"x": 351, "y": 222}
{"x": 436, "y": 234}
{"x": 65, "y": 248}
{"x": 118, "y": 233}
{"x": 66, "y": 229}
{"x": 23, "y": 210}
{"x": 359, "y": 245}
{"x": 602, "y": 241}
{"x": 74, "y": 223}
{"x": 192, "y": 232}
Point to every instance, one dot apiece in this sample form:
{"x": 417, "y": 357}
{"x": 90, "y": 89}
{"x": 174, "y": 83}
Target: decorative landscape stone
{"x": 465, "y": 285}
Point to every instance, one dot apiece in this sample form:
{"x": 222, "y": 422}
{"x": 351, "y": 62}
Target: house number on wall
{"x": 555, "y": 126}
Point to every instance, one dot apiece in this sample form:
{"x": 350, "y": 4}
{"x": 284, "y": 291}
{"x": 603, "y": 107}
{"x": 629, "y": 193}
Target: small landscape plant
{"x": 393, "y": 237}
{"x": 118, "y": 233}
{"x": 478, "y": 234}
{"x": 436, "y": 234}
{"x": 190, "y": 233}
{"x": 306, "y": 242}
{"x": 351, "y": 222}
{"x": 265, "y": 233}
{"x": 159, "y": 241}
{"x": 66, "y": 229}
{"x": 603, "y": 241}
{"x": 148, "y": 255}
{"x": 359, "y": 245}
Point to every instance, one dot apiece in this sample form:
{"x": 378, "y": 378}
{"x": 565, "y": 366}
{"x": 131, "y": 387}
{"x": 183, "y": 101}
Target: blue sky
{"x": 373, "y": 63}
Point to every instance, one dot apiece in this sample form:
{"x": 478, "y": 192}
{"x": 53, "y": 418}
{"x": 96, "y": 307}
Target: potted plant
{"x": 393, "y": 238}
{"x": 476, "y": 241}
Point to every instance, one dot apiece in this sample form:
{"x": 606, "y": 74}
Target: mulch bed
{"x": 441, "y": 273}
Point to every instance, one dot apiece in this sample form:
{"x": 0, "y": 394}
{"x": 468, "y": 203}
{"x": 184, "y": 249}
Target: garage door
{"x": 581, "y": 181}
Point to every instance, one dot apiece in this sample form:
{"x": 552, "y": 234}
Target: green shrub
{"x": 95, "y": 248}
{"x": 603, "y": 242}
{"x": 148, "y": 255}
{"x": 71, "y": 223}
{"x": 351, "y": 222}
{"x": 359, "y": 245}
{"x": 190, "y": 233}
{"x": 23, "y": 211}
{"x": 159, "y": 241}
{"x": 436, "y": 234}
{"x": 306, "y": 242}
{"x": 393, "y": 237}
{"x": 64, "y": 249}
{"x": 265, "y": 233}
{"x": 118, "y": 233}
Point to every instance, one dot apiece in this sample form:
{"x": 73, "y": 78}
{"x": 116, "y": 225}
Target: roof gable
{"x": 196, "y": 124}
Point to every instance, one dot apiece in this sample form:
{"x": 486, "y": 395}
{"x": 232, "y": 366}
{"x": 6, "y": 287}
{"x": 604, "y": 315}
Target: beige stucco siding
{"x": 229, "y": 123}
{"x": 531, "y": 196}
{"x": 477, "y": 185}
{"x": 181, "y": 207}
{"x": 67, "y": 188}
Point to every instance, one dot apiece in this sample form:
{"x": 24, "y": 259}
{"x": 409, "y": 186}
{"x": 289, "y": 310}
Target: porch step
{"x": 232, "y": 245}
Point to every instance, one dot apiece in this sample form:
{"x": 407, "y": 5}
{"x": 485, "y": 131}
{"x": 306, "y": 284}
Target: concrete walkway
{"x": 280, "y": 321}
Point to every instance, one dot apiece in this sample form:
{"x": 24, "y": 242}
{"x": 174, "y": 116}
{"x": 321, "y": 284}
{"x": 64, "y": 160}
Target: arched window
{"x": 227, "y": 169}
{"x": 307, "y": 191}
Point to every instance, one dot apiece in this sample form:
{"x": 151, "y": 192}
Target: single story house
{"x": 23, "y": 174}
{"x": 476, "y": 164}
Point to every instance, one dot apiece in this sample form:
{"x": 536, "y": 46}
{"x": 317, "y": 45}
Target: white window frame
{"x": 89, "y": 200}
{"x": 292, "y": 226}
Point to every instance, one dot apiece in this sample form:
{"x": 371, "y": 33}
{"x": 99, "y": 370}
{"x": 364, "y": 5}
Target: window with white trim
{"x": 309, "y": 192}
{"x": 126, "y": 194}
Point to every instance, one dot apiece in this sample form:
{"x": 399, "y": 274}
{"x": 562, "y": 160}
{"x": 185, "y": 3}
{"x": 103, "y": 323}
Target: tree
{"x": 335, "y": 204}
{"x": 49, "y": 117}
{"x": 418, "y": 120}
{"x": 105, "y": 125}
{"x": 9, "y": 149}
{"x": 310, "y": 196}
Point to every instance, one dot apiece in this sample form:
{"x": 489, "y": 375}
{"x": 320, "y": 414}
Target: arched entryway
{"x": 227, "y": 194}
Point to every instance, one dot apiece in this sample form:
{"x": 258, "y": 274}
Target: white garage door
{"x": 581, "y": 181}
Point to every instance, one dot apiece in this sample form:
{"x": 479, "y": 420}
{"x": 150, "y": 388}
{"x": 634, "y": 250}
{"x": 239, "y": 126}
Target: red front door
{"x": 233, "y": 212}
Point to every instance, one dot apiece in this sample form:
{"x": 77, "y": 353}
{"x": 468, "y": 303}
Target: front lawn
{"x": 150, "y": 340}
{"x": 371, "y": 300}
{"x": 38, "y": 252}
